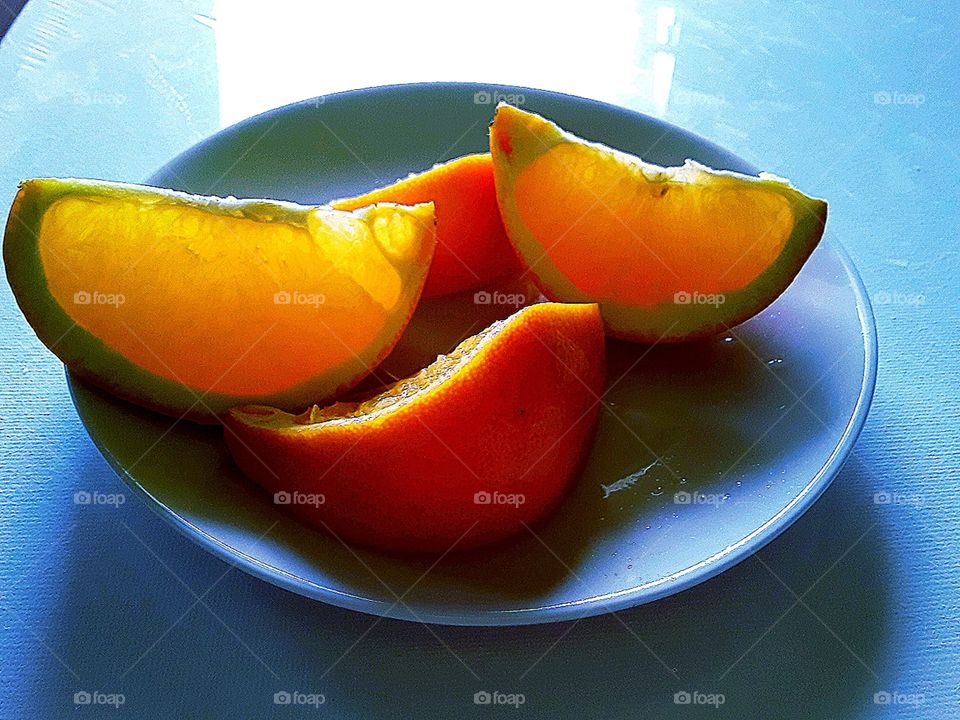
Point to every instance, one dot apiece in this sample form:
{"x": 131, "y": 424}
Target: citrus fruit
{"x": 669, "y": 253}
{"x": 472, "y": 247}
{"x": 462, "y": 454}
{"x": 439, "y": 324}
{"x": 191, "y": 304}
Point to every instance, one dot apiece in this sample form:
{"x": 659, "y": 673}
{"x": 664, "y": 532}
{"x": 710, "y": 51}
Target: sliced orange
{"x": 472, "y": 247}
{"x": 192, "y": 304}
{"x": 669, "y": 253}
{"x": 462, "y": 454}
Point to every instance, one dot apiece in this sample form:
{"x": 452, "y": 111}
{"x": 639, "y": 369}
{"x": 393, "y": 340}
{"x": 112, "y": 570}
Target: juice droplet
{"x": 775, "y": 361}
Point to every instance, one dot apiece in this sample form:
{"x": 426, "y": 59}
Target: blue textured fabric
{"x": 853, "y": 612}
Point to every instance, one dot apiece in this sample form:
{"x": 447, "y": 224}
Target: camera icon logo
{"x": 282, "y": 697}
{"x": 482, "y": 97}
{"x": 282, "y": 498}
{"x": 482, "y": 697}
{"x": 82, "y": 697}
{"x": 281, "y": 297}
{"x": 81, "y": 497}
{"x": 681, "y": 298}
{"x": 682, "y": 498}
{"x": 682, "y": 697}
{"x": 482, "y": 498}
{"x": 82, "y": 297}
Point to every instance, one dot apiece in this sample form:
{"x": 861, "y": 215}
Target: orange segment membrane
{"x": 403, "y": 391}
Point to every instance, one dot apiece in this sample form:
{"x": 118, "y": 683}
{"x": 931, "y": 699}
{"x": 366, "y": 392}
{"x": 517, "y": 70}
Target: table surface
{"x": 859, "y": 597}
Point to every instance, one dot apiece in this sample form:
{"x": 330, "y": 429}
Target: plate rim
{"x": 589, "y": 606}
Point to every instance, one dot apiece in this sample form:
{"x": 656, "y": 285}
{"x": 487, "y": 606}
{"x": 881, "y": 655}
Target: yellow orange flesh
{"x": 666, "y": 235}
{"x": 203, "y": 293}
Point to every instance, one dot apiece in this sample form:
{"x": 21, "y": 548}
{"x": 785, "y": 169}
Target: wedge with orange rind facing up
{"x": 191, "y": 305}
{"x": 669, "y": 253}
{"x": 472, "y": 246}
{"x": 465, "y": 453}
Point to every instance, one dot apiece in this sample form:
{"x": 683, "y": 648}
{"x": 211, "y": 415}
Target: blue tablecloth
{"x": 853, "y": 612}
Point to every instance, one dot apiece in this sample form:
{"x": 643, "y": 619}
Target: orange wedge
{"x": 192, "y": 304}
{"x": 464, "y": 453}
{"x": 472, "y": 247}
{"x": 669, "y": 253}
